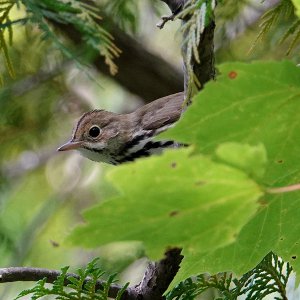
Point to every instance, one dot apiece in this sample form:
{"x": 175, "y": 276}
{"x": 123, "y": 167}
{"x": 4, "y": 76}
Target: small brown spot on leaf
{"x": 200, "y": 182}
{"x": 280, "y": 161}
{"x": 54, "y": 243}
{"x": 173, "y": 165}
{"x": 281, "y": 239}
{"x": 294, "y": 257}
{"x": 173, "y": 213}
{"x": 232, "y": 75}
{"x": 262, "y": 202}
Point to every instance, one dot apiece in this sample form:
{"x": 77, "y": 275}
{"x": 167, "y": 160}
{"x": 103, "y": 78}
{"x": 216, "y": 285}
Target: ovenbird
{"x": 116, "y": 138}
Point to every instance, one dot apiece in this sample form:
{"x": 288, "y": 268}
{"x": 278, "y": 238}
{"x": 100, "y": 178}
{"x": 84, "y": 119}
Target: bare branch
{"x": 14, "y": 274}
{"x": 175, "y": 6}
{"x": 159, "y": 275}
{"x": 156, "y": 280}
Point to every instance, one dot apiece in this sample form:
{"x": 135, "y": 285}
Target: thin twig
{"x": 14, "y": 274}
{"x": 157, "y": 278}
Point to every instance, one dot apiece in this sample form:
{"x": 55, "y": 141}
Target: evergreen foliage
{"x": 199, "y": 14}
{"x": 269, "y": 277}
{"x": 124, "y": 12}
{"x": 82, "y": 287}
{"x": 83, "y": 16}
{"x": 284, "y": 9}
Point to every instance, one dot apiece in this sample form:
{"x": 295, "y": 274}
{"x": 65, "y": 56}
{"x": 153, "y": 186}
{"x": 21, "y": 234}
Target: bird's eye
{"x": 94, "y": 131}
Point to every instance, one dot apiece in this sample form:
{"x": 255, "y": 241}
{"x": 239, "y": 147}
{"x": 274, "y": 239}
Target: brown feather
{"x": 125, "y": 137}
{"x": 161, "y": 112}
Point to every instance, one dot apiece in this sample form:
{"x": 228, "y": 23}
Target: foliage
{"x": 284, "y": 8}
{"x": 297, "y": 6}
{"x": 269, "y": 277}
{"x": 199, "y": 13}
{"x": 253, "y": 103}
{"x": 124, "y": 12}
{"x": 215, "y": 198}
{"x": 229, "y": 9}
{"x": 209, "y": 203}
{"x": 82, "y": 16}
{"x": 6, "y": 23}
{"x": 83, "y": 286}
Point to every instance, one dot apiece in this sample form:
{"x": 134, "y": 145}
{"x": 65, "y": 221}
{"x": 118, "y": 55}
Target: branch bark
{"x": 14, "y": 274}
{"x": 156, "y": 280}
{"x": 159, "y": 275}
{"x": 205, "y": 69}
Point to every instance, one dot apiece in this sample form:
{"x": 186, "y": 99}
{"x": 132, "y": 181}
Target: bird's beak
{"x": 70, "y": 146}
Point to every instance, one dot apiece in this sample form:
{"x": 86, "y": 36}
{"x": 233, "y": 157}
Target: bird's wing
{"x": 161, "y": 112}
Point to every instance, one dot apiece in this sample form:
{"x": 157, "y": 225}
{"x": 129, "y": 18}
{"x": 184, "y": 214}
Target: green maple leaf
{"x": 176, "y": 200}
{"x": 252, "y": 103}
{"x": 205, "y": 199}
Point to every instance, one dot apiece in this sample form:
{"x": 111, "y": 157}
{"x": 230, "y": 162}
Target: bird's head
{"x": 95, "y": 132}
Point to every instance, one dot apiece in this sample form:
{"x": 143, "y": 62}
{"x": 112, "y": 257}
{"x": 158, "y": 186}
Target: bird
{"x": 112, "y": 138}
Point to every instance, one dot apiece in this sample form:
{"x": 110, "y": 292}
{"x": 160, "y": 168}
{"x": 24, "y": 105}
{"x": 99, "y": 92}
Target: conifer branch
{"x": 15, "y": 274}
{"x": 198, "y": 41}
{"x": 155, "y": 282}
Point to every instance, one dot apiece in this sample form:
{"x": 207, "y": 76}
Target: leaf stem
{"x": 284, "y": 189}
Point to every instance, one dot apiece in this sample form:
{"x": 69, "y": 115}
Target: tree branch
{"x": 140, "y": 71}
{"x": 159, "y": 275}
{"x": 14, "y": 274}
{"x": 204, "y": 70}
{"x": 156, "y": 280}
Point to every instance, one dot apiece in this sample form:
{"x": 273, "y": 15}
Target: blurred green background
{"x": 42, "y": 192}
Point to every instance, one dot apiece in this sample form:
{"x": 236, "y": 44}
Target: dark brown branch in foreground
{"x": 205, "y": 70}
{"x": 34, "y": 274}
{"x": 159, "y": 275}
{"x": 156, "y": 280}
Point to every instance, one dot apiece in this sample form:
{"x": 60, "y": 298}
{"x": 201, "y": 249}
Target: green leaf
{"x": 176, "y": 200}
{"x": 251, "y": 159}
{"x": 274, "y": 228}
{"x": 201, "y": 202}
{"x": 297, "y": 6}
{"x": 252, "y": 103}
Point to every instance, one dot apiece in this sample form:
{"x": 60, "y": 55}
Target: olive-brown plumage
{"x": 116, "y": 138}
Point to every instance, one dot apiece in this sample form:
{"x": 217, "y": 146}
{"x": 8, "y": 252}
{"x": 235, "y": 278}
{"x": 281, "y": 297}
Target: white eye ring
{"x": 94, "y": 131}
